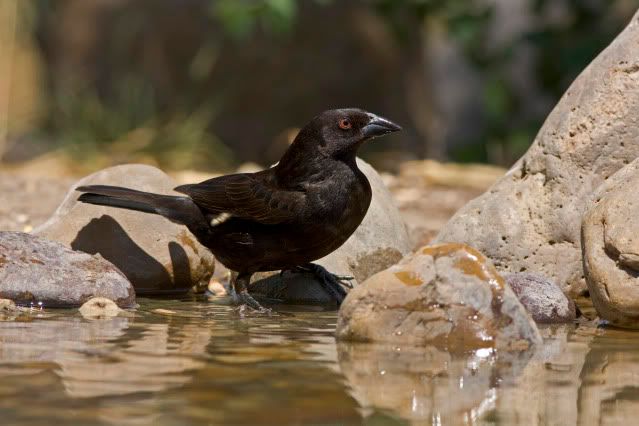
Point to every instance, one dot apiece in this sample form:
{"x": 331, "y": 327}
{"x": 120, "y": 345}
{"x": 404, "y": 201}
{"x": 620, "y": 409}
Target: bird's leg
{"x": 240, "y": 285}
{"x": 330, "y": 282}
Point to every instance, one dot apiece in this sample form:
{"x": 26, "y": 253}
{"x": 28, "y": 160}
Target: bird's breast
{"x": 343, "y": 206}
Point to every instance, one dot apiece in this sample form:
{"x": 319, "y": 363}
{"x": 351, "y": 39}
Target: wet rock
{"x": 542, "y": 298}
{"x": 448, "y": 296}
{"x": 610, "y": 242}
{"x": 530, "y": 219}
{"x": 34, "y": 270}
{"x": 156, "y": 255}
{"x": 379, "y": 242}
{"x": 99, "y": 307}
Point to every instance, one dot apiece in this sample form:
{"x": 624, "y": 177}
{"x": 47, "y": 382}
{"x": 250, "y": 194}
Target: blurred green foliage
{"x": 563, "y": 48}
{"x": 129, "y": 123}
{"x": 123, "y": 112}
{"x": 240, "y": 18}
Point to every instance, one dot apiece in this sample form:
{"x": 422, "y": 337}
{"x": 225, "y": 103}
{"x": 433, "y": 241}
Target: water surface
{"x": 174, "y": 362}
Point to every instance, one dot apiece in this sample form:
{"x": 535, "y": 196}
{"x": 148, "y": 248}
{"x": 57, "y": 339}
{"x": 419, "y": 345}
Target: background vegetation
{"x": 208, "y": 84}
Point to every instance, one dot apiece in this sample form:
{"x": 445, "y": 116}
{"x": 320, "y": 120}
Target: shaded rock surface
{"x": 530, "y": 219}
{"x": 542, "y": 298}
{"x": 379, "y": 242}
{"x": 36, "y": 270}
{"x": 156, "y": 255}
{"x": 610, "y": 231}
{"x": 449, "y": 296}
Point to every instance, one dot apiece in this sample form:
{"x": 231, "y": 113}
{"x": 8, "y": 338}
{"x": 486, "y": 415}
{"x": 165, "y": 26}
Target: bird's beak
{"x": 379, "y": 126}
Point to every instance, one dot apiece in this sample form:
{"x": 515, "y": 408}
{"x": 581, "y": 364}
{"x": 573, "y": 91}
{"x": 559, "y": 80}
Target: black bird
{"x": 282, "y": 218}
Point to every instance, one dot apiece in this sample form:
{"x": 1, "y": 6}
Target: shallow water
{"x": 174, "y": 362}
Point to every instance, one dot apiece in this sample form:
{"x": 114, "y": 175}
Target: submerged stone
{"x": 448, "y": 296}
{"x": 99, "y": 307}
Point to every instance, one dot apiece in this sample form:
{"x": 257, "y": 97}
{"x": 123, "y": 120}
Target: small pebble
{"x": 99, "y": 307}
{"x": 7, "y": 305}
{"x": 217, "y": 288}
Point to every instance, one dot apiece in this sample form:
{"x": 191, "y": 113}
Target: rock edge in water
{"x": 36, "y": 270}
{"x": 610, "y": 246}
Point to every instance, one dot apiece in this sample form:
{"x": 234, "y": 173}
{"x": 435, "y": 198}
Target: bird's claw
{"x": 344, "y": 280}
{"x": 246, "y": 301}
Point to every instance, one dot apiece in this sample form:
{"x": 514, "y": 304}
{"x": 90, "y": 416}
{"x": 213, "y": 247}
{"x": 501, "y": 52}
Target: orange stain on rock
{"x": 409, "y": 278}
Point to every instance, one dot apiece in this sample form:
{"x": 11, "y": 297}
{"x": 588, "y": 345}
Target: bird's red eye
{"x": 345, "y": 124}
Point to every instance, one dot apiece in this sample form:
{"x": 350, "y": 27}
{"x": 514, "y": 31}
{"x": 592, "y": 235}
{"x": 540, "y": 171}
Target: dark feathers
{"x": 105, "y": 200}
{"x": 181, "y": 210}
{"x": 291, "y": 214}
{"x": 247, "y": 196}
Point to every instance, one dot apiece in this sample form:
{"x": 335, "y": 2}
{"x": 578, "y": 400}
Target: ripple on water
{"x": 189, "y": 361}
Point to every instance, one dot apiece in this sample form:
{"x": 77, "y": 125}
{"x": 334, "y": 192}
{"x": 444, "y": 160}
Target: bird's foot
{"x": 246, "y": 301}
{"x": 333, "y": 284}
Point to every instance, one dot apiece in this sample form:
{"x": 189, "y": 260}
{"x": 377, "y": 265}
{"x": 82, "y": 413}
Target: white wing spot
{"x": 220, "y": 219}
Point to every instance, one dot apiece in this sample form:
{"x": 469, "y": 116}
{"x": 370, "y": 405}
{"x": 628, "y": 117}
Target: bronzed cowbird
{"x": 282, "y": 218}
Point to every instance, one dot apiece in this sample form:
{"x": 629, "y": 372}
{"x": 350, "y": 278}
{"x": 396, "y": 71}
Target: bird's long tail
{"x": 177, "y": 209}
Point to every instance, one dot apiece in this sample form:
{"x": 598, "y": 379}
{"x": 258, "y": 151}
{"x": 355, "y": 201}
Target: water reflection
{"x": 580, "y": 376}
{"x": 194, "y": 362}
{"x": 91, "y": 361}
{"x": 427, "y": 383}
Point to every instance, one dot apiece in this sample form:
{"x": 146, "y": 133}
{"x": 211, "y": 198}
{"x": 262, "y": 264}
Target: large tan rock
{"x": 448, "y": 296}
{"x": 379, "y": 242}
{"x": 530, "y": 219}
{"x": 610, "y": 232}
{"x": 157, "y": 255}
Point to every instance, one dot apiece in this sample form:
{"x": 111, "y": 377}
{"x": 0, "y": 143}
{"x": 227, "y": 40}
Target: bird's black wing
{"x": 248, "y": 196}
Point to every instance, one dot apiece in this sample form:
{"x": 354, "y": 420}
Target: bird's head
{"x": 339, "y": 132}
